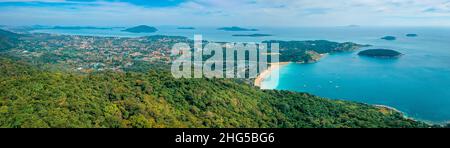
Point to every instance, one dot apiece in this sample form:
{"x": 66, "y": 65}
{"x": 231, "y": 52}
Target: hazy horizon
{"x": 270, "y": 13}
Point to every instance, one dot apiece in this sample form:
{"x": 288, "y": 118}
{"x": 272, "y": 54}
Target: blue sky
{"x": 226, "y": 12}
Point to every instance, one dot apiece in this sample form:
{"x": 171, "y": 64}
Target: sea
{"x": 417, "y": 84}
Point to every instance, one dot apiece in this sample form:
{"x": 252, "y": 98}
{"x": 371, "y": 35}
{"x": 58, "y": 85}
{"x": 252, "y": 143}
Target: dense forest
{"x": 32, "y": 97}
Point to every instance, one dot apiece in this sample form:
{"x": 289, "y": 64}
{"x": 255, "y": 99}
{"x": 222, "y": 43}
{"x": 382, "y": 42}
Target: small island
{"x": 251, "y": 35}
{"x": 353, "y": 26}
{"x": 412, "y": 35}
{"x": 141, "y": 29}
{"x": 389, "y": 38}
{"x": 186, "y": 28}
{"x": 380, "y": 53}
{"x": 234, "y": 28}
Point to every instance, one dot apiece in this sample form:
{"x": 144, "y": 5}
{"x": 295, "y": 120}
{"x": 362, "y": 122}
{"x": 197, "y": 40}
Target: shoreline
{"x": 402, "y": 113}
{"x": 260, "y": 78}
{"x": 388, "y": 107}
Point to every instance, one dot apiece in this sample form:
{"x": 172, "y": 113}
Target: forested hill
{"x": 30, "y": 97}
{"x": 4, "y": 33}
{"x": 7, "y": 39}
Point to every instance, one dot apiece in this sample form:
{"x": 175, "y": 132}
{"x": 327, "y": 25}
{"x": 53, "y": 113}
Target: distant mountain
{"x": 80, "y": 27}
{"x": 37, "y": 27}
{"x": 186, "y": 28}
{"x": 141, "y": 29}
{"x": 4, "y": 33}
{"x": 234, "y": 28}
{"x": 25, "y": 29}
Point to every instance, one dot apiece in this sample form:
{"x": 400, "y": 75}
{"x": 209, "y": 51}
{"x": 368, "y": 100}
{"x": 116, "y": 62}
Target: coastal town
{"x": 94, "y": 53}
{"x": 88, "y": 53}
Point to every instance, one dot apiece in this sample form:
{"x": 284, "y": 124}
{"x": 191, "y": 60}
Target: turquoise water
{"x": 418, "y": 83}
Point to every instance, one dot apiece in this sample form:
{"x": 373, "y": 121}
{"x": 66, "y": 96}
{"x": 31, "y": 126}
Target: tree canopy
{"x": 32, "y": 97}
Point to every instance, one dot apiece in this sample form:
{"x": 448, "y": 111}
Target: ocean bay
{"x": 416, "y": 83}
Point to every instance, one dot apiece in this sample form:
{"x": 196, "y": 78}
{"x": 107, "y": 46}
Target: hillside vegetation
{"x": 7, "y": 40}
{"x": 31, "y": 97}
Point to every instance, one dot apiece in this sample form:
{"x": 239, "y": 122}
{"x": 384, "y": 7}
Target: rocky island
{"x": 251, "y": 35}
{"x": 412, "y": 35}
{"x": 380, "y": 53}
{"x": 389, "y": 38}
{"x": 141, "y": 29}
{"x": 234, "y": 28}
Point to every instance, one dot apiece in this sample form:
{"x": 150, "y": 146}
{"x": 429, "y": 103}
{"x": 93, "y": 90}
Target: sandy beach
{"x": 267, "y": 72}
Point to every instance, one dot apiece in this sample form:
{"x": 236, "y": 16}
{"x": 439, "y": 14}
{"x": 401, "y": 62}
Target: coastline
{"x": 260, "y": 78}
{"x": 402, "y": 113}
{"x": 388, "y": 107}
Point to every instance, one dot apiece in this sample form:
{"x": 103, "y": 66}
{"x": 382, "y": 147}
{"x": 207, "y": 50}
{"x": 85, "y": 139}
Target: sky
{"x": 290, "y": 13}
